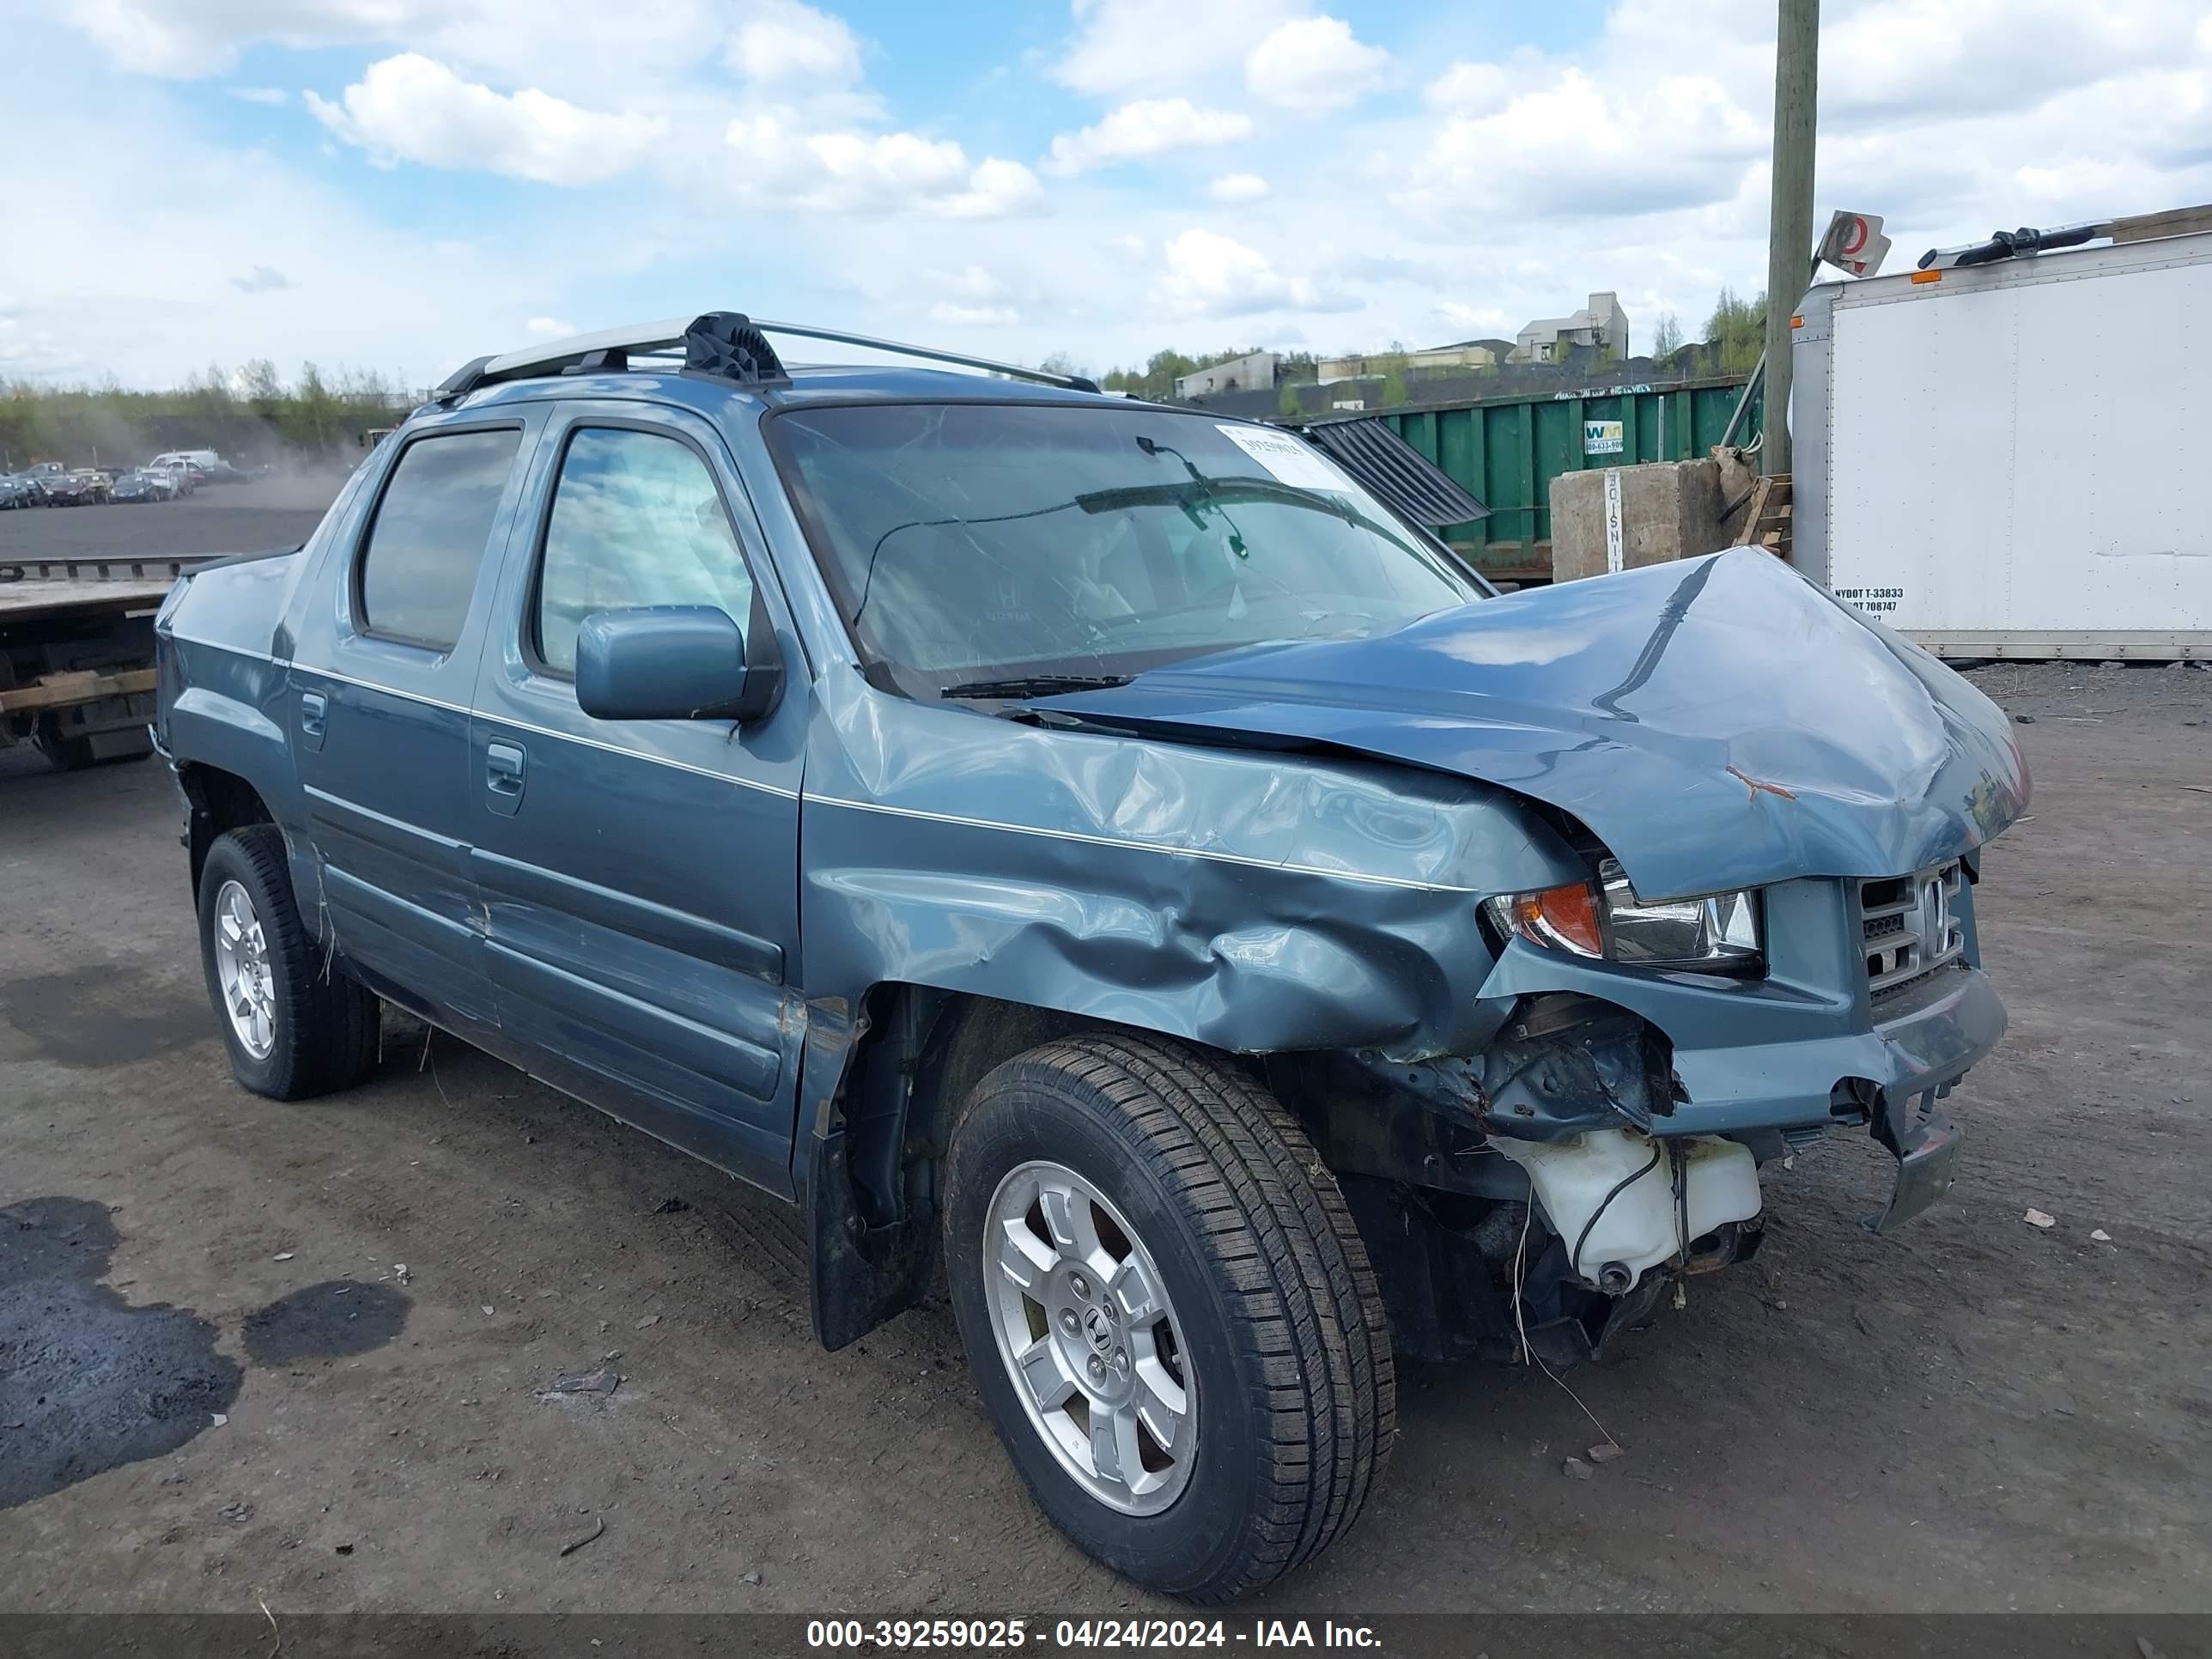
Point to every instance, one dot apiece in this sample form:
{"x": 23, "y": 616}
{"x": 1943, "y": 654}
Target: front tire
{"x": 1169, "y": 1312}
{"x": 294, "y": 1022}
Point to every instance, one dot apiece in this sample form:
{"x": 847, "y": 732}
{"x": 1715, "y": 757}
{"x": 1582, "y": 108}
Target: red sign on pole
{"x": 1855, "y": 243}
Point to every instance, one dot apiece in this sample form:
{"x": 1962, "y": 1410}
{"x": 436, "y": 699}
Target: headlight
{"x": 1716, "y": 934}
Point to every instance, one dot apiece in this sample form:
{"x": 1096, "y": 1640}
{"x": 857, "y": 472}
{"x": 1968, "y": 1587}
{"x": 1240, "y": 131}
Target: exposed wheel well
{"x": 876, "y": 1179}
{"x": 923, "y": 1054}
{"x": 221, "y": 802}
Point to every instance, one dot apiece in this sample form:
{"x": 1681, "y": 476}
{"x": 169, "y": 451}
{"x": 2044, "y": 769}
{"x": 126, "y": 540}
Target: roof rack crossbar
{"x": 932, "y": 353}
{"x": 668, "y": 334}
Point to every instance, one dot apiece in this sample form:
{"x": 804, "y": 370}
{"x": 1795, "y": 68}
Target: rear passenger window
{"x": 636, "y": 520}
{"x": 420, "y": 566}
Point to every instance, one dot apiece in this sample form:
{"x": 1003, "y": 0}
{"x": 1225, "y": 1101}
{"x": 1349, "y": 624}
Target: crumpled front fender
{"x": 1253, "y": 900}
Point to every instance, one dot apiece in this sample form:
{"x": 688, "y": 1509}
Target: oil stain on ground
{"x": 325, "y": 1321}
{"x": 108, "y": 1016}
{"x": 87, "y": 1381}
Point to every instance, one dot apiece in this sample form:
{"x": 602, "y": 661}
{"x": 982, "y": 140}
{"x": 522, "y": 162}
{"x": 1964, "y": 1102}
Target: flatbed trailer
{"x": 77, "y": 653}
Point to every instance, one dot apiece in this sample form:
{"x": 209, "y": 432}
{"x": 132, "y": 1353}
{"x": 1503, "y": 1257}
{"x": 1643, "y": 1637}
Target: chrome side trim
{"x": 1215, "y": 855}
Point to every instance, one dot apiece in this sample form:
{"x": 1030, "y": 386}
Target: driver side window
{"x": 636, "y": 520}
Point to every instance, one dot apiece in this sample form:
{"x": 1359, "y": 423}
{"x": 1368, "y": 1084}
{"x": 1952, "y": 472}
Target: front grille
{"x": 1910, "y": 925}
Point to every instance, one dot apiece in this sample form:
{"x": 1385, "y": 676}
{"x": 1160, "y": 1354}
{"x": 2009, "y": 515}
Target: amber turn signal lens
{"x": 1565, "y": 916}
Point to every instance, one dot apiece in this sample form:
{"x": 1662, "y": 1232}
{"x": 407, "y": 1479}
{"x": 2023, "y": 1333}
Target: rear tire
{"x": 294, "y": 1022}
{"x": 1205, "y": 1197}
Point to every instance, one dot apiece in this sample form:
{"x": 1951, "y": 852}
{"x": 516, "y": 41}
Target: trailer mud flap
{"x": 1927, "y": 1150}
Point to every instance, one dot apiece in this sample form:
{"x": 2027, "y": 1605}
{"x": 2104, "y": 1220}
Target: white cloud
{"x": 997, "y": 189}
{"x": 1237, "y": 187}
{"x": 1889, "y": 57}
{"x": 549, "y": 328}
{"x": 1572, "y": 147}
{"x": 1630, "y": 156}
{"x": 260, "y": 94}
{"x": 571, "y": 45}
{"x": 1149, "y": 126}
{"x": 586, "y": 50}
{"x": 1470, "y": 88}
{"x": 159, "y": 294}
{"x": 969, "y": 282}
{"x": 35, "y": 354}
{"x": 1128, "y": 47}
{"x": 411, "y": 108}
{"x": 1485, "y": 321}
{"x": 263, "y": 279}
{"x": 853, "y": 171}
{"x": 1210, "y": 275}
{"x": 784, "y": 41}
{"x": 1314, "y": 65}
{"x": 959, "y": 316}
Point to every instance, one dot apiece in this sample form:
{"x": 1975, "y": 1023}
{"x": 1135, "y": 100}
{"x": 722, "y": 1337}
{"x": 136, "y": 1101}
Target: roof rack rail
{"x": 724, "y": 343}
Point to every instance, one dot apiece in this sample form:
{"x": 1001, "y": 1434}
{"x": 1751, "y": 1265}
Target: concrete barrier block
{"x": 1666, "y": 510}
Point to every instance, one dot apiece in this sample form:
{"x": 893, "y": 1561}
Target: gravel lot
{"x": 218, "y": 518}
{"x": 1974, "y": 1413}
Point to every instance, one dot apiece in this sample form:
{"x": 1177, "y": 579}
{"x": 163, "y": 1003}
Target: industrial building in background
{"x": 1464, "y": 354}
{"x": 1602, "y": 323}
{"x": 1255, "y": 370}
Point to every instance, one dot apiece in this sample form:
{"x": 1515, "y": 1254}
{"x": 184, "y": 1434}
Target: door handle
{"x": 503, "y": 766}
{"x": 314, "y": 708}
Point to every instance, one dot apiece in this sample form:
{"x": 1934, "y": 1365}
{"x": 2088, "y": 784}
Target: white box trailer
{"x": 2007, "y": 460}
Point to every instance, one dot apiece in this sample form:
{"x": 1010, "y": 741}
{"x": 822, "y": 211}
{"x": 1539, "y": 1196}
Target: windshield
{"x": 969, "y": 542}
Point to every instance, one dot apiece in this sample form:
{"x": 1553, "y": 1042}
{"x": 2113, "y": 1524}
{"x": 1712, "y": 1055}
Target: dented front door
{"x": 639, "y": 877}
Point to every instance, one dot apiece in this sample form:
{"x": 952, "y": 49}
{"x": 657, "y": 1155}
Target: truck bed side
{"x": 221, "y": 689}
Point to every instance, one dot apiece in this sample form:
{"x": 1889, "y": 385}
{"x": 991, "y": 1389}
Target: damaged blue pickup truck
{"x": 1102, "y": 848}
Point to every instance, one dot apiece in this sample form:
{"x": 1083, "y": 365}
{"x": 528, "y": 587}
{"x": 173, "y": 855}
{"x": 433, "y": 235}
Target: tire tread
{"x": 1305, "y": 1303}
{"x": 332, "y": 1041}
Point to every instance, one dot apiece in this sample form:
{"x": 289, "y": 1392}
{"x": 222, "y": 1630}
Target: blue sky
{"x": 403, "y": 183}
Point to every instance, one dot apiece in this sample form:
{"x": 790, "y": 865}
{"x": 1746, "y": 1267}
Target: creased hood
{"x": 1717, "y": 722}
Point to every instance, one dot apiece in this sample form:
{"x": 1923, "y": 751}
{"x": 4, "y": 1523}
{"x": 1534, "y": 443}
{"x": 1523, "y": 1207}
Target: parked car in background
{"x": 73, "y": 489}
{"x": 207, "y": 466}
{"x": 145, "y": 484}
{"x": 19, "y": 489}
{"x": 181, "y": 473}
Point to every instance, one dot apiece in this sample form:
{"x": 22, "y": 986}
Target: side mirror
{"x": 661, "y": 662}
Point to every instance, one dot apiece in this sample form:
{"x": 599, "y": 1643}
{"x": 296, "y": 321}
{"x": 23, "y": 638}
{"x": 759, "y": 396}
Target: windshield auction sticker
{"x": 1289, "y": 460}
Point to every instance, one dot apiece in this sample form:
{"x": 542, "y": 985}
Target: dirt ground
{"x": 219, "y": 1385}
{"x": 216, "y": 519}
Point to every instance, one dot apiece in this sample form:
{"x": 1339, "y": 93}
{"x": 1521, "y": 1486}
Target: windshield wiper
{"x": 1035, "y": 685}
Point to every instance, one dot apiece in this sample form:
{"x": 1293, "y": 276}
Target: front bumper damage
{"x": 1604, "y": 1142}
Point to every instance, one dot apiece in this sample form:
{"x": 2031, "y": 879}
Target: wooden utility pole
{"x": 1789, "y": 224}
